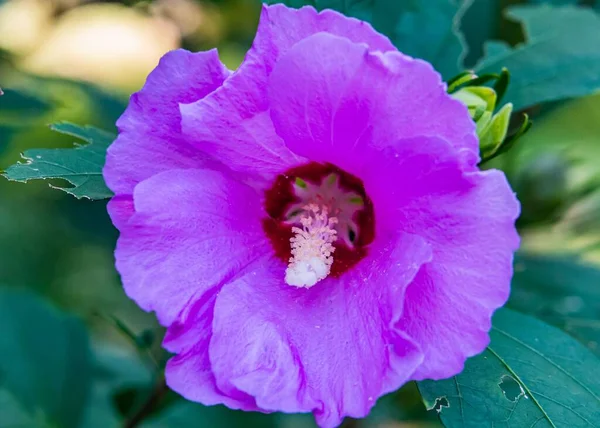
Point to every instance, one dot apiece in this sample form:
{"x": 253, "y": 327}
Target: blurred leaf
{"x": 184, "y": 414}
{"x": 17, "y": 105}
{"x": 100, "y": 411}
{"x": 571, "y": 130}
{"x": 400, "y": 406}
{"x": 18, "y": 109}
{"x": 479, "y": 24}
{"x": 543, "y": 189}
{"x": 14, "y": 415}
{"x": 5, "y": 136}
{"x": 560, "y": 58}
{"x": 562, "y": 291}
{"x": 114, "y": 370}
{"x": 531, "y": 374}
{"x": 81, "y": 166}
{"x": 44, "y": 359}
{"x": 436, "y": 22}
{"x": 119, "y": 368}
{"x": 555, "y": 2}
{"x": 556, "y": 164}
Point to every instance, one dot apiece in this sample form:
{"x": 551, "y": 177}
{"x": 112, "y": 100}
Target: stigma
{"x": 311, "y": 246}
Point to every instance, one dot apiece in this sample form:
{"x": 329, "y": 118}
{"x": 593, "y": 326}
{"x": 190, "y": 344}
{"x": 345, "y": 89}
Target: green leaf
{"x": 479, "y": 24}
{"x": 18, "y": 110}
{"x": 531, "y": 374}
{"x": 570, "y": 130}
{"x": 555, "y": 2}
{"x": 184, "y": 414}
{"x": 14, "y": 415}
{"x": 555, "y": 162}
{"x": 114, "y": 370}
{"x": 80, "y": 166}
{"x": 560, "y": 59}
{"x": 17, "y": 105}
{"x": 436, "y": 23}
{"x": 44, "y": 359}
{"x": 562, "y": 291}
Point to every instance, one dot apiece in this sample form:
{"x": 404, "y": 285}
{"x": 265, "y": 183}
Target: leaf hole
{"x": 511, "y": 389}
{"x": 440, "y": 404}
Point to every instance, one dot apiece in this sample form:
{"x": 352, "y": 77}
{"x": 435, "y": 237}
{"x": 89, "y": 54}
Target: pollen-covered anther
{"x": 312, "y": 247}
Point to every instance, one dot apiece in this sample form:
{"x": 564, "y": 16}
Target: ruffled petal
{"x": 387, "y": 119}
{"x": 192, "y": 230}
{"x": 281, "y": 27}
{"x": 233, "y": 123}
{"x": 149, "y": 138}
{"x": 331, "y": 349}
{"x": 407, "y": 180}
{"x": 450, "y": 303}
{"x": 420, "y": 187}
{"x": 120, "y": 209}
{"x": 190, "y": 372}
{"x": 332, "y": 99}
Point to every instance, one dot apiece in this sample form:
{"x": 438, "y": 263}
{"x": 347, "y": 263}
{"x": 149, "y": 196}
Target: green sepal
{"x": 482, "y": 101}
{"x": 510, "y": 141}
{"x": 501, "y": 85}
{"x": 459, "y": 80}
{"x": 493, "y": 134}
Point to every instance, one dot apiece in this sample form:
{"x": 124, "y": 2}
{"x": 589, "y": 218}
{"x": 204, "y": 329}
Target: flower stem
{"x": 149, "y": 405}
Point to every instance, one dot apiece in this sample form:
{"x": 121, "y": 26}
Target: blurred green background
{"x": 79, "y": 61}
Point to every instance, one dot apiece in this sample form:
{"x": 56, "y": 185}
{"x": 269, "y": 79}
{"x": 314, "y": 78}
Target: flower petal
{"x": 331, "y": 99}
{"x": 233, "y": 123}
{"x": 419, "y": 187}
{"x": 190, "y": 372}
{"x": 450, "y": 303}
{"x": 387, "y": 119}
{"x": 281, "y": 27}
{"x": 149, "y": 138}
{"x": 330, "y": 349}
{"x": 192, "y": 230}
{"x": 120, "y": 209}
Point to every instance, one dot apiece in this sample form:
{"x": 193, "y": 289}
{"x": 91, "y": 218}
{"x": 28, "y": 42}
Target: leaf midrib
{"x": 524, "y": 385}
{"x": 508, "y": 335}
{"x": 521, "y": 383}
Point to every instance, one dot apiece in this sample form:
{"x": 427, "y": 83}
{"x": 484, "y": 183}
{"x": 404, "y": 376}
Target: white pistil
{"x": 312, "y": 247}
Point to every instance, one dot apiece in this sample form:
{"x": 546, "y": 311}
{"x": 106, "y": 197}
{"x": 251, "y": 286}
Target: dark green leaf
{"x": 44, "y": 359}
{"x": 185, "y": 414}
{"x": 435, "y": 22}
{"x": 479, "y": 24}
{"x": 560, "y": 58}
{"x": 393, "y": 409}
{"x": 555, "y": 2}
{"x": 17, "y": 110}
{"x": 531, "y": 375}
{"x": 114, "y": 370}
{"x": 570, "y": 130}
{"x": 19, "y": 105}
{"x": 100, "y": 411}
{"x": 14, "y": 415}
{"x": 80, "y": 166}
{"x": 562, "y": 291}
{"x": 556, "y": 162}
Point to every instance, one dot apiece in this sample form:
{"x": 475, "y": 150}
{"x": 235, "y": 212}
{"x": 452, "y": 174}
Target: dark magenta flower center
{"x": 322, "y": 202}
